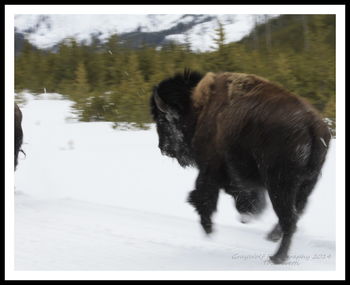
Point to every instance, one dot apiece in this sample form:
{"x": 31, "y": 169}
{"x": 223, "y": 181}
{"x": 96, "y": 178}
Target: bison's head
{"x": 172, "y": 110}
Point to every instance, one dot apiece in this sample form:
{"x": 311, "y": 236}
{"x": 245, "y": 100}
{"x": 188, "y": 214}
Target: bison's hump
{"x": 227, "y": 84}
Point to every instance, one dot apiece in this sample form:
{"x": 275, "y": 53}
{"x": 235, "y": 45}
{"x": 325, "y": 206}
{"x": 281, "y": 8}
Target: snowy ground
{"x": 88, "y": 197}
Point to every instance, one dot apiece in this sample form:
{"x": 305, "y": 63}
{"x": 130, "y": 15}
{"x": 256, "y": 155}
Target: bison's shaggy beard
{"x": 172, "y": 141}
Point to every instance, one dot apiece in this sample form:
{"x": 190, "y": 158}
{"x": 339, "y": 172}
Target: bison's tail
{"x": 321, "y": 137}
{"x": 320, "y": 144}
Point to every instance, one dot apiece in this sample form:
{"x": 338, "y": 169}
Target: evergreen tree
{"x": 221, "y": 60}
{"x": 81, "y": 85}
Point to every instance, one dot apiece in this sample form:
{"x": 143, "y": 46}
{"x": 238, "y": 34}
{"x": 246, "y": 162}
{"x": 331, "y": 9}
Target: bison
{"x": 18, "y": 133}
{"x": 247, "y": 136}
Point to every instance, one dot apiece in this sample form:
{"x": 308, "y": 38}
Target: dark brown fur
{"x": 18, "y": 132}
{"x": 245, "y": 135}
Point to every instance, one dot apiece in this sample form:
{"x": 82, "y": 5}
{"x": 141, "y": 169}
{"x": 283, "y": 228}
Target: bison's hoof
{"x": 278, "y": 259}
{"x": 208, "y": 230}
{"x": 246, "y": 218}
{"x": 275, "y": 235}
{"x": 207, "y": 227}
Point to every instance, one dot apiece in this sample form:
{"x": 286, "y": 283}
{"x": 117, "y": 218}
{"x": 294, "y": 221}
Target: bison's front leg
{"x": 204, "y": 198}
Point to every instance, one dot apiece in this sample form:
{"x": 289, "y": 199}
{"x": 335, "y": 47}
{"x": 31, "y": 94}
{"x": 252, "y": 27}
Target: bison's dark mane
{"x": 176, "y": 91}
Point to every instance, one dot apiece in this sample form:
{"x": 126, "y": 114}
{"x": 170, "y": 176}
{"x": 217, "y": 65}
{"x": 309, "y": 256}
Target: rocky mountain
{"x": 46, "y": 31}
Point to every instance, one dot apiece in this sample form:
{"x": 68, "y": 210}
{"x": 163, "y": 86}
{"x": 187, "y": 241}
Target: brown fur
{"x": 203, "y": 90}
{"x": 239, "y": 84}
{"x": 229, "y": 83}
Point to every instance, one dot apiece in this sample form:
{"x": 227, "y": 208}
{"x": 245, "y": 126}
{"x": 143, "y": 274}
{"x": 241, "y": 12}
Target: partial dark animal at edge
{"x": 18, "y": 133}
{"x": 247, "y": 136}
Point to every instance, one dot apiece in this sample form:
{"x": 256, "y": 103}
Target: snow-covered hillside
{"x": 45, "y": 31}
{"x": 88, "y": 197}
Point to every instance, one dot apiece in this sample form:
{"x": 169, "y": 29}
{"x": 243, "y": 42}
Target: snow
{"x": 49, "y": 30}
{"x": 202, "y": 35}
{"x": 55, "y": 28}
{"x": 89, "y": 197}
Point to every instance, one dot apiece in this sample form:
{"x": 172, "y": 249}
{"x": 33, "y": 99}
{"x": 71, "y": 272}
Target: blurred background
{"x": 108, "y": 64}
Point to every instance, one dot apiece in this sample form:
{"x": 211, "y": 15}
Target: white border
{"x": 175, "y": 9}
{"x": 11, "y": 10}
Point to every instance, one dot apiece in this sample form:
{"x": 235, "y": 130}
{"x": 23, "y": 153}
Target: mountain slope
{"x": 45, "y": 31}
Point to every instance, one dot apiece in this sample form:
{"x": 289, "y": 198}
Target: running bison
{"x": 18, "y": 132}
{"x": 245, "y": 135}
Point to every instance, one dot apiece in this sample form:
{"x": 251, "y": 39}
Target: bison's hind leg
{"x": 302, "y": 194}
{"x": 283, "y": 187}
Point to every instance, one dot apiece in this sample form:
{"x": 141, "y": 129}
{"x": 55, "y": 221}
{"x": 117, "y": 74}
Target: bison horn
{"x": 160, "y": 103}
